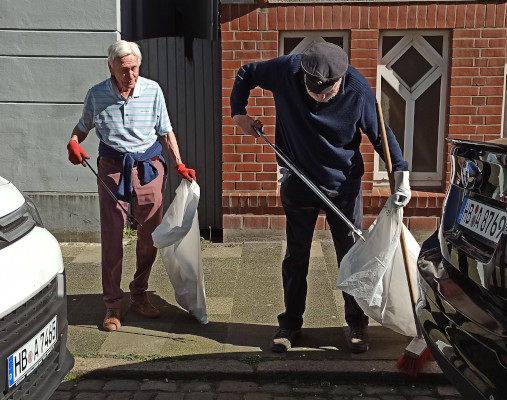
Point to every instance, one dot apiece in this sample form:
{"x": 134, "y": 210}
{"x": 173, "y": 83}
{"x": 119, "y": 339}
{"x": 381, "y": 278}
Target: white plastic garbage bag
{"x": 178, "y": 240}
{"x": 374, "y": 272}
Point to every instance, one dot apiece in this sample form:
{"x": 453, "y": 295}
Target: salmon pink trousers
{"x": 148, "y": 204}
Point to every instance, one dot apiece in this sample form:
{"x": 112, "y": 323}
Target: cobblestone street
{"x": 130, "y": 389}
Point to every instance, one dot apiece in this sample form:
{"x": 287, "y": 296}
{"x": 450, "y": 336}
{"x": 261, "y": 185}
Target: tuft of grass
{"x": 251, "y": 360}
{"x": 70, "y": 377}
{"x": 206, "y": 243}
{"x": 128, "y": 357}
{"x": 137, "y": 357}
{"x": 129, "y": 233}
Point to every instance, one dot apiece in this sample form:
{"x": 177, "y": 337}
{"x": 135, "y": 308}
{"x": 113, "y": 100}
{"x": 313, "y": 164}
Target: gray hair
{"x": 122, "y": 48}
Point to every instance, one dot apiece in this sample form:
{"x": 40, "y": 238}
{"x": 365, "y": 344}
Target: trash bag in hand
{"x": 178, "y": 240}
{"x": 374, "y": 272}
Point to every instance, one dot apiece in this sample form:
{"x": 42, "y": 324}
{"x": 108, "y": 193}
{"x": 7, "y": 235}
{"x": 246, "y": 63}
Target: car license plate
{"x": 486, "y": 221}
{"x": 23, "y": 361}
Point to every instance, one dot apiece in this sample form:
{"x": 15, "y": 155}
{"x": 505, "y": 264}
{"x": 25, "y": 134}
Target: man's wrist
{"x": 236, "y": 116}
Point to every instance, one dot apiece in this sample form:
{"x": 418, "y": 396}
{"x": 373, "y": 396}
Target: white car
{"x": 33, "y": 304}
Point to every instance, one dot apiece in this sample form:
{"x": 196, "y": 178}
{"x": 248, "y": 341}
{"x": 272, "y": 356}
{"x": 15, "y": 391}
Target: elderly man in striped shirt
{"x": 130, "y": 118}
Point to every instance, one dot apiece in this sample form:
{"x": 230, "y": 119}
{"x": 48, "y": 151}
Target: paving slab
{"x": 244, "y": 296}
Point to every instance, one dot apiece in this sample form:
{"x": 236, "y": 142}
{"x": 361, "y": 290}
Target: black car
{"x": 463, "y": 274}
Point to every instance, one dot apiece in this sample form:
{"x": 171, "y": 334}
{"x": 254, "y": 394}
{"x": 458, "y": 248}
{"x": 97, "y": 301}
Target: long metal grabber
{"x": 312, "y": 186}
{"x": 129, "y": 215}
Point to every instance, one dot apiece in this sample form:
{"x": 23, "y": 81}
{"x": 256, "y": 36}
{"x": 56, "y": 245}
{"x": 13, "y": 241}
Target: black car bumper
{"x": 464, "y": 337}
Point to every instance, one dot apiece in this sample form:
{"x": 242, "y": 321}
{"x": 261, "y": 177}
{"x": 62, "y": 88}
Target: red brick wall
{"x": 476, "y": 85}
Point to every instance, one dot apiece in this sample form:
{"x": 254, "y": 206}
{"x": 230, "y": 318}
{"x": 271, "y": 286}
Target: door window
{"x": 412, "y": 78}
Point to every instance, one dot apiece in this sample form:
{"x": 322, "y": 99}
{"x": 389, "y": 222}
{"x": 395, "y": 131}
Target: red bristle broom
{"x": 416, "y": 353}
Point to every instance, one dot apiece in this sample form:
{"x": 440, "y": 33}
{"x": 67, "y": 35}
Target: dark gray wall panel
{"x": 193, "y": 95}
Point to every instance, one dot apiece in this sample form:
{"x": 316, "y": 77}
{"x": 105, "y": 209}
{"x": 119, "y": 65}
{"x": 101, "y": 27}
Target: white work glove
{"x": 402, "y": 194}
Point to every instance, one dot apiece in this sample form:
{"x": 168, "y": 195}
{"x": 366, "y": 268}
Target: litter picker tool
{"x": 416, "y": 353}
{"x": 311, "y": 185}
{"x": 130, "y": 217}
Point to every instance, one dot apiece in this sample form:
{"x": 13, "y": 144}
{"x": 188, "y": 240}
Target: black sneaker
{"x": 358, "y": 339}
{"x": 283, "y": 339}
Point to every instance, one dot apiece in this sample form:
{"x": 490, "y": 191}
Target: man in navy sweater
{"x": 323, "y": 105}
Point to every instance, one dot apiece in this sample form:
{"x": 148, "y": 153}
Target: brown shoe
{"x": 112, "y": 320}
{"x": 144, "y": 308}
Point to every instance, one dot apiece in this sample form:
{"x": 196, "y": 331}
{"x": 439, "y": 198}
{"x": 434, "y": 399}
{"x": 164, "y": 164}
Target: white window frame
{"x": 309, "y": 38}
{"x": 439, "y": 69}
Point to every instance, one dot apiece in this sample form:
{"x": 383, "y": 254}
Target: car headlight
{"x": 17, "y": 224}
{"x": 30, "y": 206}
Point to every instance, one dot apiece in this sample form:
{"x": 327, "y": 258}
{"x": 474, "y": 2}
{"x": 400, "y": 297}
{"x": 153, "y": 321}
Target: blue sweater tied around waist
{"x": 150, "y": 172}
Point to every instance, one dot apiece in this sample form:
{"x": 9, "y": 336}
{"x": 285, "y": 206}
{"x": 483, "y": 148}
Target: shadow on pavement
{"x": 177, "y": 334}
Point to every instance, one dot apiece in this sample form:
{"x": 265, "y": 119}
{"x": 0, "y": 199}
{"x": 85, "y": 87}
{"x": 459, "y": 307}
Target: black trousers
{"x": 302, "y": 206}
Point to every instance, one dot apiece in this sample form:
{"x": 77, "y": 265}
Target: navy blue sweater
{"x": 321, "y": 139}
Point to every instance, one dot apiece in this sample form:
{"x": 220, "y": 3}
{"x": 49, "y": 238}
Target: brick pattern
{"x": 250, "y": 33}
{"x": 277, "y": 222}
{"x": 477, "y": 83}
{"x": 264, "y": 210}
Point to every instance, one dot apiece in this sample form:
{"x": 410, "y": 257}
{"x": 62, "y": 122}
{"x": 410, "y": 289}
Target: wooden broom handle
{"x": 389, "y": 165}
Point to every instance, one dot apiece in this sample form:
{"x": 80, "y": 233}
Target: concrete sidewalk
{"x": 244, "y": 296}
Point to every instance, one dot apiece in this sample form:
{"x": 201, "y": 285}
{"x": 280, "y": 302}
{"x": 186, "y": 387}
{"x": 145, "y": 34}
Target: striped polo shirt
{"x": 127, "y": 125}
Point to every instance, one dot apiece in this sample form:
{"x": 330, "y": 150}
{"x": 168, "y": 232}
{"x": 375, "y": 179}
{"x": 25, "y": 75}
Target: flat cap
{"x": 324, "y": 64}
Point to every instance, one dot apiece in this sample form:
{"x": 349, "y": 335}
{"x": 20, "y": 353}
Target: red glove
{"x": 76, "y": 152}
{"x": 185, "y": 172}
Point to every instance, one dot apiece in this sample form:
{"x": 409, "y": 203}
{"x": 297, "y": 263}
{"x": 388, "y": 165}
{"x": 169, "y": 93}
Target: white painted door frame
{"x": 437, "y": 70}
